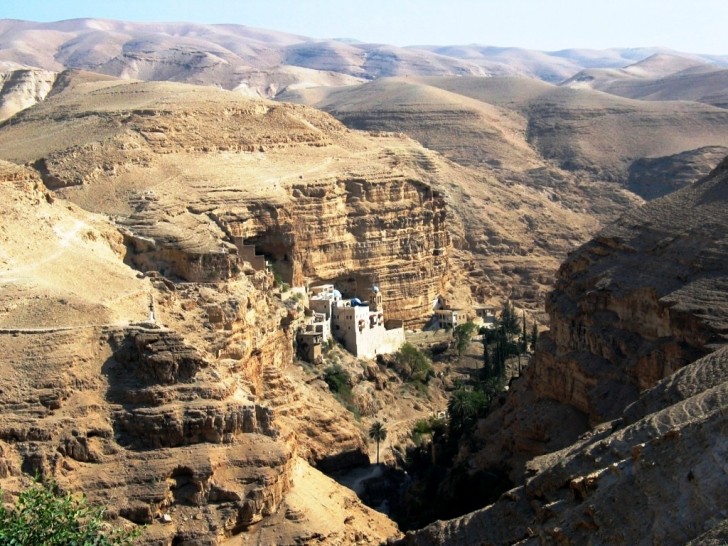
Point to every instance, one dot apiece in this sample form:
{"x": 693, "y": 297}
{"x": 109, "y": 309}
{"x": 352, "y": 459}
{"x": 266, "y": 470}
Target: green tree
{"x": 487, "y": 371}
{"x": 534, "y": 335}
{"x": 378, "y": 433}
{"x": 410, "y": 363}
{"x": 462, "y": 335}
{"x": 524, "y": 335}
{"x": 337, "y": 378}
{"x": 464, "y": 407}
{"x": 509, "y": 320}
{"x": 43, "y": 515}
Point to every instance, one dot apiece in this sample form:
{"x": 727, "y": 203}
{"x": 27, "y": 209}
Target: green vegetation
{"x": 534, "y": 335}
{"x": 465, "y": 407}
{"x": 43, "y": 515}
{"x": 378, "y": 433}
{"x": 278, "y": 278}
{"x": 441, "y": 487}
{"x": 412, "y": 365}
{"x": 339, "y": 382}
{"x": 337, "y": 378}
{"x": 507, "y": 338}
{"x": 462, "y": 334}
{"x": 428, "y": 429}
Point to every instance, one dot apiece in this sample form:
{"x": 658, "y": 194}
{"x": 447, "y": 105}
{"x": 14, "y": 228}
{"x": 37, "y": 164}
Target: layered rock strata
{"x": 637, "y": 350}
{"x": 22, "y": 88}
{"x": 194, "y": 175}
{"x": 175, "y": 426}
{"x": 356, "y": 232}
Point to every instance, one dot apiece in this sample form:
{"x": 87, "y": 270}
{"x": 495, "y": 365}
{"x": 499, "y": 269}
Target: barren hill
{"x": 518, "y": 124}
{"x": 266, "y": 62}
{"x": 660, "y": 77}
{"x": 557, "y": 66}
{"x": 255, "y": 61}
{"x": 629, "y": 387}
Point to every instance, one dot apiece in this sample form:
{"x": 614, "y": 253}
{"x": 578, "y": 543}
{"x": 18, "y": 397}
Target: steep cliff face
{"x": 355, "y": 232}
{"x": 192, "y": 172}
{"x": 640, "y": 301}
{"x": 637, "y": 350}
{"x": 657, "y": 478}
{"x": 158, "y": 398}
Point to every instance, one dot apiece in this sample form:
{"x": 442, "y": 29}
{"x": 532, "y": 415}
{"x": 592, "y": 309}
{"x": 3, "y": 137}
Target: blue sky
{"x": 697, "y": 25}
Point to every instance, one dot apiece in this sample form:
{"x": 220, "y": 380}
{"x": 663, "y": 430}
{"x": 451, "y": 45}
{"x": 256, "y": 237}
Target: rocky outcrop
{"x": 157, "y": 399}
{"x": 20, "y": 89}
{"x": 658, "y": 478}
{"x": 637, "y": 350}
{"x": 644, "y": 298}
{"x": 356, "y": 232}
{"x": 196, "y": 175}
{"x": 211, "y": 455}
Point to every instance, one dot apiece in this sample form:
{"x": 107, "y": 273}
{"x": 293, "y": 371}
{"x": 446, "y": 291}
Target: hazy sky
{"x": 689, "y": 25}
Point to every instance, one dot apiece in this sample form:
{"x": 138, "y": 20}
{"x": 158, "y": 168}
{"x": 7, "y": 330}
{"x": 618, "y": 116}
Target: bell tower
{"x": 375, "y": 300}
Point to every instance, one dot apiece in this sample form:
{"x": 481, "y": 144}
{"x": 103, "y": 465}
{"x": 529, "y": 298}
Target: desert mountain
{"x": 660, "y": 77}
{"x": 617, "y": 431}
{"x": 304, "y": 199}
{"x": 150, "y": 228}
{"x": 265, "y": 62}
{"x": 514, "y": 126}
{"x": 231, "y": 56}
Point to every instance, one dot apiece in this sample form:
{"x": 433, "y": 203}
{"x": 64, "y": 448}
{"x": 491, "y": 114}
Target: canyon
{"x": 616, "y": 433}
{"x": 151, "y": 230}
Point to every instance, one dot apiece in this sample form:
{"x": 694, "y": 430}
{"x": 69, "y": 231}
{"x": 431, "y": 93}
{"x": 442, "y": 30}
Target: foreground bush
{"x": 43, "y": 516}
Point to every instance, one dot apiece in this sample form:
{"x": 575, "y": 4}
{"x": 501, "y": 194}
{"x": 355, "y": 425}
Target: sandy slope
{"x": 59, "y": 265}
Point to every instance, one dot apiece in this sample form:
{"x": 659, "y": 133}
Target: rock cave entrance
{"x": 185, "y": 489}
{"x": 278, "y": 254}
{"x": 353, "y": 285}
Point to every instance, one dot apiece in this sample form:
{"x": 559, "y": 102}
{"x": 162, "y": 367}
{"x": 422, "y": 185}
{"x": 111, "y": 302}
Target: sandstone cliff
{"x": 637, "y": 350}
{"x": 155, "y": 398}
{"x": 196, "y": 174}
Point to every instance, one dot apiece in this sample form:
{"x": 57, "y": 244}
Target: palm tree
{"x": 378, "y": 433}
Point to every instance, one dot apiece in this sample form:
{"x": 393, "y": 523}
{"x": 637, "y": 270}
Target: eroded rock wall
{"x": 617, "y": 431}
{"x": 166, "y": 402}
{"x": 390, "y": 231}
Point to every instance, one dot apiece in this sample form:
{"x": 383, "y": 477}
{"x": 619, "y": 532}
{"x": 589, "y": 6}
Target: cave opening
{"x": 278, "y": 254}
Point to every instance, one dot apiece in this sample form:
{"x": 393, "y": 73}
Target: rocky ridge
{"x": 261, "y": 62}
{"x": 196, "y": 174}
{"x": 630, "y": 388}
{"x": 170, "y": 426}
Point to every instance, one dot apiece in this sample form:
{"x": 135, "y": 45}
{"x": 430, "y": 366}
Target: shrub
{"x": 411, "y": 364}
{"x": 462, "y": 335}
{"x": 42, "y": 515}
{"x": 465, "y": 407}
{"x": 337, "y": 378}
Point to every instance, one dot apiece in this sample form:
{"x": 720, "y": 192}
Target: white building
{"x": 449, "y": 318}
{"x": 358, "y": 325}
{"x": 361, "y": 327}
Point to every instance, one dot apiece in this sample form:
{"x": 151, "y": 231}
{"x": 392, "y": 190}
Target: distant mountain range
{"x": 266, "y": 62}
